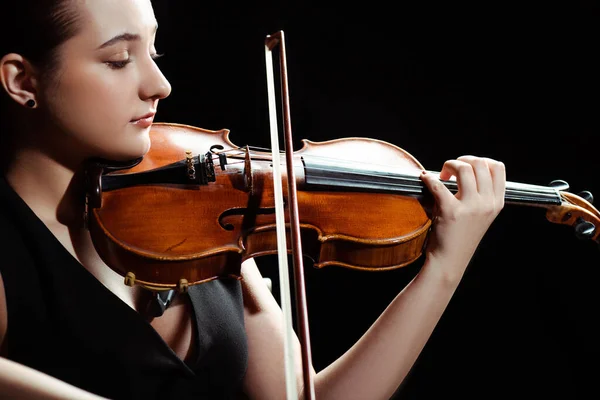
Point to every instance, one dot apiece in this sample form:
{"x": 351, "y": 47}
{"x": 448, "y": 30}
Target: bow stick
{"x": 271, "y": 42}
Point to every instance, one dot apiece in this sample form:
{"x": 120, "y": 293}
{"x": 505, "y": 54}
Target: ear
{"x": 18, "y": 78}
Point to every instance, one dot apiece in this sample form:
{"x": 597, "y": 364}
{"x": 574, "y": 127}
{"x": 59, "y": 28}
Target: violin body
{"x": 196, "y": 206}
{"x": 172, "y": 220}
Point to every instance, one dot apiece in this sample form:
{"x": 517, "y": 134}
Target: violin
{"x": 197, "y": 205}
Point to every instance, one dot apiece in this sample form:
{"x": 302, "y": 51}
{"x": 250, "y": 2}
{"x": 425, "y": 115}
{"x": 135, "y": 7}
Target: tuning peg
{"x": 584, "y": 229}
{"x": 560, "y": 185}
{"x": 587, "y": 196}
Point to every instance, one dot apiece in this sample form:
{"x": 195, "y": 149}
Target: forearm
{"x": 375, "y": 366}
{"x": 20, "y": 382}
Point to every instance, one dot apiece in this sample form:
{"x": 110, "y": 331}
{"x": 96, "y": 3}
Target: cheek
{"x": 93, "y": 107}
{"x": 95, "y": 96}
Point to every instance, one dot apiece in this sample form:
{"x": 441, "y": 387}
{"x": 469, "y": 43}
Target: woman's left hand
{"x": 462, "y": 219}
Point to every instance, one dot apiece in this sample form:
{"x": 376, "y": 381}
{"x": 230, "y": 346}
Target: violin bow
{"x": 272, "y": 41}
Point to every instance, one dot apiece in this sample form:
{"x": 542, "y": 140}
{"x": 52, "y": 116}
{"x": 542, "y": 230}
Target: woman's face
{"x": 107, "y": 80}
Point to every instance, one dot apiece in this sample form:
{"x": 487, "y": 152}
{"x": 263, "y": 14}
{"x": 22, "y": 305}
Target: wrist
{"x": 447, "y": 273}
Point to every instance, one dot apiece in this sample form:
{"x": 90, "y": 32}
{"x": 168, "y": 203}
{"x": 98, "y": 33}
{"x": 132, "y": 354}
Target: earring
{"x": 30, "y": 103}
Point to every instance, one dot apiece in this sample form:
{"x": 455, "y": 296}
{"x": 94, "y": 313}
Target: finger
{"x": 498, "y": 173}
{"x": 483, "y": 175}
{"x": 440, "y": 192}
{"x": 465, "y": 177}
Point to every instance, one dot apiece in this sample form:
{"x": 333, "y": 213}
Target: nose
{"x": 155, "y": 85}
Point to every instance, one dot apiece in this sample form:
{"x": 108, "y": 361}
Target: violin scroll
{"x": 576, "y": 211}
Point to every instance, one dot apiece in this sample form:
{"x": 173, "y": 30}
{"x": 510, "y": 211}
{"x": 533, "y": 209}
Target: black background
{"x": 515, "y": 81}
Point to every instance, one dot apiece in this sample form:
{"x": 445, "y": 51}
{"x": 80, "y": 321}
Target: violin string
{"x": 352, "y": 165}
{"x": 349, "y": 163}
{"x": 511, "y": 194}
{"x": 415, "y": 176}
{"x": 367, "y": 173}
{"x": 394, "y": 178}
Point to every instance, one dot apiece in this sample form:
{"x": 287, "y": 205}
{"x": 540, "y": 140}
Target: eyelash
{"x": 123, "y": 64}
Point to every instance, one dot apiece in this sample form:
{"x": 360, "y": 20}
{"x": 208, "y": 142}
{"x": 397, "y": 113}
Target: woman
{"x": 82, "y": 82}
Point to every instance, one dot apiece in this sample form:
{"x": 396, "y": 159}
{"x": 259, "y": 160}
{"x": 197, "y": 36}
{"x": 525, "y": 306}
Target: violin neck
{"x": 322, "y": 174}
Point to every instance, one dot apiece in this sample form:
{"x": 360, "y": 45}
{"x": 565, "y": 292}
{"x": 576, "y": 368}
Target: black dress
{"x": 64, "y": 322}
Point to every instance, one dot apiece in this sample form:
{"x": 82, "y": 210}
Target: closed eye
{"x": 118, "y": 64}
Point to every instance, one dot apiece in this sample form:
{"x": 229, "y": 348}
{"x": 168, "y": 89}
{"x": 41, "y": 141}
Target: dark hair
{"x": 36, "y": 28}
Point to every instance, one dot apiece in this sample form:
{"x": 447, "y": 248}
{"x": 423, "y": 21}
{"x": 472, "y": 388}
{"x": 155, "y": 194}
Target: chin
{"x": 128, "y": 151}
{"x": 135, "y": 153}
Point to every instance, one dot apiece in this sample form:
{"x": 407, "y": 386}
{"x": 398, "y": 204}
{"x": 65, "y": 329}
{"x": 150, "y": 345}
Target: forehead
{"x": 107, "y": 18}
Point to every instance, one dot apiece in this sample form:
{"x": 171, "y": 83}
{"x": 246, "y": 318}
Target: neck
{"x": 42, "y": 169}
{"x": 52, "y": 190}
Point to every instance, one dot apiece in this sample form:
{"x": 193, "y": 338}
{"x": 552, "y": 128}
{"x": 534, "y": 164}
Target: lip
{"x": 144, "y": 121}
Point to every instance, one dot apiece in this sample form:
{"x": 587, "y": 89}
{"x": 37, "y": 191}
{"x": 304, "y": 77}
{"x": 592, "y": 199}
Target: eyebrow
{"x": 124, "y": 37}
